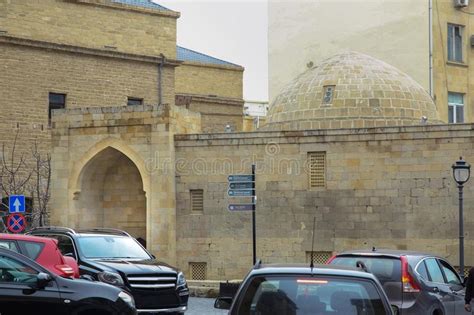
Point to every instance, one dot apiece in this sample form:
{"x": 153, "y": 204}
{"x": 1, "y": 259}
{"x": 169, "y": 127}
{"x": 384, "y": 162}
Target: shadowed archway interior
{"x": 112, "y": 194}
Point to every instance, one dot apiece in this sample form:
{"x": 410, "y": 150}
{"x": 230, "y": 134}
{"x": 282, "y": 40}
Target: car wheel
{"x": 438, "y": 312}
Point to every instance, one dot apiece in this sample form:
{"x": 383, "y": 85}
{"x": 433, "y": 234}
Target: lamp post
{"x": 461, "y": 174}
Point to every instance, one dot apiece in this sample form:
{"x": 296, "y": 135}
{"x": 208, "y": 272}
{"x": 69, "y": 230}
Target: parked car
{"x": 114, "y": 257}
{"x": 302, "y": 290}
{"x": 27, "y": 288}
{"x": 42, "y": 250}
{"x": 417, "y": 283}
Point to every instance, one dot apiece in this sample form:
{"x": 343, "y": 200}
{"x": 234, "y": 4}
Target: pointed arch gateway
{"x": 109, "y": 186}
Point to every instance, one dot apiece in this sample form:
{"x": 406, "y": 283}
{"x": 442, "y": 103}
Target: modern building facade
{"x": 429, "y": 40}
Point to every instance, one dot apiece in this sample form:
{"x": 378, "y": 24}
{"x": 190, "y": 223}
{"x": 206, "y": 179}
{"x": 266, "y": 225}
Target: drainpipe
{"x": 431, "y": 46}
{"x": 160, "y": 79}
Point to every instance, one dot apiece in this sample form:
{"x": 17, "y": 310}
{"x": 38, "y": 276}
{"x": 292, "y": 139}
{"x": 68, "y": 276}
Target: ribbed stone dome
{"x": 366, "y": 92}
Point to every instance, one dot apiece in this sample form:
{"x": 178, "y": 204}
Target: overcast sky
{"x": 233, "y": 30}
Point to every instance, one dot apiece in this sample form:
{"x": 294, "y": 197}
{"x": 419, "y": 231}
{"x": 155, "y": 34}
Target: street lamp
{"x": 461, "y": 174}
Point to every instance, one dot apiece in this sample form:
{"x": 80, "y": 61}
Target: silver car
{"x": 417, "y": 283}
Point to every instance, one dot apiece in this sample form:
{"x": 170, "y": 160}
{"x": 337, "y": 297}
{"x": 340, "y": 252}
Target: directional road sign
{"x": 241, "y": 178}
{"x": 247, "y": 185}
{"x": 241, "y": 207}
{"x": 16, "y": 223}
{"x": 240, "y": 193}
{"x": 16, "y": 203}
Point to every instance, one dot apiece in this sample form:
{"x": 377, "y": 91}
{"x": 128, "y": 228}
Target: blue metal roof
{"x": 185, "y": 54}
{"x": 142, "y": 3}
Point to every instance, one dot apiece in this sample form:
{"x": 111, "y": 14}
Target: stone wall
{"x": 94, "y": 24}
{"x": 385, "y": 187}
{"x": 214, "y": 91}
{"x": 205, "y": 80}
{"x": 130, "y": 141}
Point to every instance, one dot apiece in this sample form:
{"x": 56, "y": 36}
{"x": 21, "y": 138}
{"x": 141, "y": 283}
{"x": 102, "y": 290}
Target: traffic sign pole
{"x": 254, "y": 233}
{"x": 244, "y": 186}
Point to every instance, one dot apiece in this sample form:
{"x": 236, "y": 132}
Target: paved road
{"x": 202, "y": 306}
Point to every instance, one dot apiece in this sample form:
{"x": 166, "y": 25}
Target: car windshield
{"x": 112, "y": 247}
{"x": 306, "y": 295}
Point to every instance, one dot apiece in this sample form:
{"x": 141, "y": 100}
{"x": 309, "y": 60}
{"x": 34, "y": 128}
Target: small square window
{"x": 131, "y": 101}
{"x": 56, "y": 101}
{"x": 328, "y": 94}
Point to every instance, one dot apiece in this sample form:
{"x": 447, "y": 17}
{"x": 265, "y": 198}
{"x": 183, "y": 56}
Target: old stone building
{"x": 344, "y": 142}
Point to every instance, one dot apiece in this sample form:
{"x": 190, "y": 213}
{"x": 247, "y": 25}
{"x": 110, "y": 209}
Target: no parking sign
{"x": 16, "y": 223}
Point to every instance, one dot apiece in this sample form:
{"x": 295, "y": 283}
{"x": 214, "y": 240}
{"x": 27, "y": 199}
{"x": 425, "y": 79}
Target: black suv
{"x": 114, "y": 257}
{"x": 28, "y": 288}
{"x": 303, "y": 290}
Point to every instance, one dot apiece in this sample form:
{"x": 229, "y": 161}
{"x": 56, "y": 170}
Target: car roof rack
{"x": 104, "y": 230}
{"x": 53, "y": 228}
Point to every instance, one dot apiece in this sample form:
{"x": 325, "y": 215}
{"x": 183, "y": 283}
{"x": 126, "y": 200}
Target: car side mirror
{"x": 42, "y": 280}
{"x": 394, "y": 309}
{"x": 223, "y": 303}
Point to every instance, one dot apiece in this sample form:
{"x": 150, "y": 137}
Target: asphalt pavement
{"x": 203, "y": 306}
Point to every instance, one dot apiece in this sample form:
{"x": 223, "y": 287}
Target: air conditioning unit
{"x": 461, "y": 3}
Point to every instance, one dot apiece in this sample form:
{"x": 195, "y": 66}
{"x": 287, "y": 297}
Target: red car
{"x": 42, "y": 250}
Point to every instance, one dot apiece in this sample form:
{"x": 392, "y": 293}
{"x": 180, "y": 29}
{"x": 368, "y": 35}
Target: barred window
{"x": 318, "y": 257}
{"x": 328, "y": 91}
{"x": 317, "y": 169}
{"x": 197, "y": 200}
{"x": 198, "y": 270}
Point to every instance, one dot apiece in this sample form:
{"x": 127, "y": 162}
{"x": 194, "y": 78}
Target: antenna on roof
{"x": 312, "y": 246}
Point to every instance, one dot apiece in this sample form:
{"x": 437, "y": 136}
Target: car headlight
{"x": 111, "y": 278}
{"x": 127, "y": 298}
{"x": 181, "y": 280}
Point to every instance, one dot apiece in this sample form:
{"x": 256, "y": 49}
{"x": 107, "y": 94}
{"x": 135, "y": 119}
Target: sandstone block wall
{"x": 385, "y": 187}
{"x": 205, "y": 80}
{"x": 93, "y": 24}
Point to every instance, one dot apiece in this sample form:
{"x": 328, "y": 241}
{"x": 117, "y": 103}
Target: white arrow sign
{"x": 17, "y": 205}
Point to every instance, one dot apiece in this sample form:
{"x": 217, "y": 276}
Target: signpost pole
{"x": 254, "y": 236}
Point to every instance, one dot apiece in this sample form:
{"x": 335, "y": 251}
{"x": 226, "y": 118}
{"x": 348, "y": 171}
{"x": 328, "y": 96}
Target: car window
{"x": 31, "y": 249}
{"x": 65, "y": 245}
{"x": 15, "y": 271}
{"x": 451, "y": 275}
{"x": 384, "y": 268}
{"x": 434, "y": 271}
{"x": 421, "y": 269}
{"x": 285, "y": 295}
{"x": 11, "y": 245}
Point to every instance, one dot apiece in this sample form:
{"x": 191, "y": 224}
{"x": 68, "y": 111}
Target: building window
{"x": 455, "y": 42}
{"x": 318, "y": 257}
{"x": 56, "y": 101}
{"x": 328, "y": 94}
{"x": 317, "y": 169}
{"x": 455, "y": 108}
{"x": 197, "y": 200}
{"x": 131, "y": 101}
